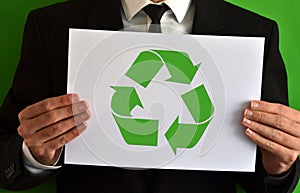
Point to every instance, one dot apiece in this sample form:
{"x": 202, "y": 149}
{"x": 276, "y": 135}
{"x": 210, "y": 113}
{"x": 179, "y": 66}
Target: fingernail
{"x": 75, "y": 97}
{"x": 82, "y": 106}
{"x": 82, "y": 127}
{"x": 254, "y": 105}
{"x": 248, "y": 113}
{"x": 249, "y": 131}
{"x": 247, "y": 121}
{"x": 81, "y": 118}
{"x": 84, "y": 116}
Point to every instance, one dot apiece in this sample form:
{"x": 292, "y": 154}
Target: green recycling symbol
{"x": 144, "y": 132}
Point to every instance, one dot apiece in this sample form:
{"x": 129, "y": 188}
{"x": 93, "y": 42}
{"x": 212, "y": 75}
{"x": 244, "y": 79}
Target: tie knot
{"x": 155, "y": 12}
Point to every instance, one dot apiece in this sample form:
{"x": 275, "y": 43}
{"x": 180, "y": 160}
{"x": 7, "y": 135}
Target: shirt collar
{"x": 179, "y": 7}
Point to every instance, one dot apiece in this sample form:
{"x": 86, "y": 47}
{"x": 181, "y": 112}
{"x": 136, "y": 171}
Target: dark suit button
{"x": 9, "y": 171}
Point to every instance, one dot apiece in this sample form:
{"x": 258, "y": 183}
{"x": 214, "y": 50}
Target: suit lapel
{"x": 208, "y": 17}
{"x": 105, "y": 15}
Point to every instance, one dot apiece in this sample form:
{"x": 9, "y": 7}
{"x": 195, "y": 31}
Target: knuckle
{"x": 294, "y": 126}
{"x": 280, "y": 122}
{"x": 69, "y": 110}
{"x": 51, "y": 116}
{"x": 74, "y": 132}
{"x": 25, "y": 124}
{"x": 286, "y": 139}
{"x": 270, "y": 145}
{"x": 23, "y": 112}
{"x": 46, "y": 134}
{"x": 20, "y": 115}
{"x": 282, "y": 110}
{"x": 66, "y": 99}
{"x": 46, "y": 105}
{"x": 70, "y": 123}
{"x": 276, "y": 134}
{"x": 63, "y": 100}
{"x": 28, "y": 142}
{"x": 20, "y": 131}
{"x": 260, "y": 117}
{"x": 292, "y": 156}
{"x": 62, "y": 140}
{"x": 256, "y": 127}
{"x": 57, "y": 128}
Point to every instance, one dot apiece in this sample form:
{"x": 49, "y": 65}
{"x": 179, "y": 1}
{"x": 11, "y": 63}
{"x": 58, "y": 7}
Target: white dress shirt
{"x": 178, "y": 19}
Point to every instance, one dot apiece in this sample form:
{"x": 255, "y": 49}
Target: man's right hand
{"x": 48, "y": 125}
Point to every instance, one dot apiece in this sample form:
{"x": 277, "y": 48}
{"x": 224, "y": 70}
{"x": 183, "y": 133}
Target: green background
{"x": 13, "y": 16}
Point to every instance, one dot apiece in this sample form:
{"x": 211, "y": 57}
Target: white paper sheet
{"x": 111, "y": 71}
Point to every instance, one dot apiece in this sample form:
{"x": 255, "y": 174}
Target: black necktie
{"x": 155, "y": 12}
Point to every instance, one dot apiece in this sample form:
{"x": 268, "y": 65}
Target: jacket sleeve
{"x": 31, "y": 84}
{"x": 274, "y": 89}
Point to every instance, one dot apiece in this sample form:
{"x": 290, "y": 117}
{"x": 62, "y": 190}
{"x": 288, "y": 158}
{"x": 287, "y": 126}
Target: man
{"x": 37, "y": 117}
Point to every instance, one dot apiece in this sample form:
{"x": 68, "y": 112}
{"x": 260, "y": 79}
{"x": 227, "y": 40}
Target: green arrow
{"x": 144, "y": 68}
{"x": 138, "y": 131}
{"x": 184, "y": 135}
{"x": 199, "y": 104}
{"x": 179, "y": 64}
{"x": 124, "y": 100}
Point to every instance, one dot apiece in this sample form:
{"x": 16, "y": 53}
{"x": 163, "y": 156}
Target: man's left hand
{"x": 275, "y": 128}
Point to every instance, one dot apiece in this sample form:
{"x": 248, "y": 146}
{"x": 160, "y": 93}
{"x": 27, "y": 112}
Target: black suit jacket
{"x": 42, "y": 73}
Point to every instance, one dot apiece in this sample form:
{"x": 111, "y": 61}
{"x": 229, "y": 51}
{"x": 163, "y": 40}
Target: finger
{"x": 48, "y": 105}
{"x": 285, "y": 154}
{"x": 276, "y": 109}
{"x": 55, "y": 130}
{"x": 65, "y": 138}
{"x": 277, "y": 121}
{"x": 54, "y": 116}
{"x": 272, "y": 134}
